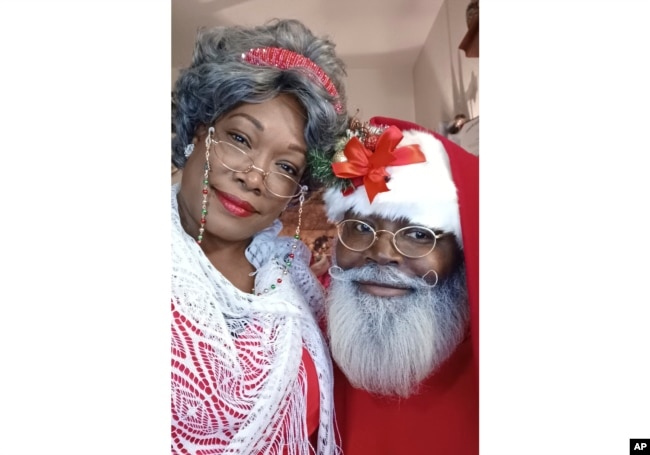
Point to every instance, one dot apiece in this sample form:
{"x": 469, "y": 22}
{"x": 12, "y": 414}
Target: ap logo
{"x": 640, "y": 446}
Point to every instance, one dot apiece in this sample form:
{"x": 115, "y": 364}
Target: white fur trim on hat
{"x": 423, "y": 193}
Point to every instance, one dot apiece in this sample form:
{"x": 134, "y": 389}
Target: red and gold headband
{"x": 286, "y": 59}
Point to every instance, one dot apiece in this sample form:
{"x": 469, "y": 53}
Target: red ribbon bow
{"x": 372, "y": 166}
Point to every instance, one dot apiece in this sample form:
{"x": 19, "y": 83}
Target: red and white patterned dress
{"x": 251, "y": 374}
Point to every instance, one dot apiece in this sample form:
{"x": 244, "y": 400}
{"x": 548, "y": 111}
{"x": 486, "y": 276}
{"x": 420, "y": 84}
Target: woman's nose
{"x": 253, "y": 178}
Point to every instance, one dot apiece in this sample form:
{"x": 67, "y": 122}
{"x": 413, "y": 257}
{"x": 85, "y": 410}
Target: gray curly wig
{"x": 218, "y": 80}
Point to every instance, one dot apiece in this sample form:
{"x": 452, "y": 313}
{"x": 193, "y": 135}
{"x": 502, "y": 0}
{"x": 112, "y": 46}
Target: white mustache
{"x": 384, "y": 275}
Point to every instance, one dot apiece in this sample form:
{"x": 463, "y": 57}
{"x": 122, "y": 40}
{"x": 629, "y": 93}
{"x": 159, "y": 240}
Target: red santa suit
{"x": 442, "y": 419}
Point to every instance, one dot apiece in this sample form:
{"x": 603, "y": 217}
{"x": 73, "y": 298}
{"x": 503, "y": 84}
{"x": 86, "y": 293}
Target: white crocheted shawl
{"x": 238, "y": 383}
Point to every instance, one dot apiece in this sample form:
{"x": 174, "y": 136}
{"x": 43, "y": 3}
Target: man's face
{"x": 389, "y": 327}
{"x": 443, "y": 259}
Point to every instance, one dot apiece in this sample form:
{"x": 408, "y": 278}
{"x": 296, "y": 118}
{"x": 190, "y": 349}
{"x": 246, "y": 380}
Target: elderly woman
{"x": 250, "y": 370}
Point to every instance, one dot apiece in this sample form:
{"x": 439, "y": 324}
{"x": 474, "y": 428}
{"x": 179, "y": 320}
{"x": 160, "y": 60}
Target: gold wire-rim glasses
{"x": 342, "y": 225}
{"x": 251, "y": 166}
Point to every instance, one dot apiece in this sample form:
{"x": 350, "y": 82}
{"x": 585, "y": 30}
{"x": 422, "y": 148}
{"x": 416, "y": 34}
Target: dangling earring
{"x": 436, "y": 282}
{"x": 206, "y": 170}
{"x": 288, "y": 259}
{"x": 189, "y": 148}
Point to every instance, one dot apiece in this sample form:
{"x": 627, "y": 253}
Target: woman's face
{"x": 239, "y": 204}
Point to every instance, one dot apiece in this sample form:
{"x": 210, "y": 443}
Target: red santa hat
{"x": 412, "y": 181}
{"x": 440, "y": 192}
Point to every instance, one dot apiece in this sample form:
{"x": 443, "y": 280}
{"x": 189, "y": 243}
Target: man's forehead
{"x": 351, "y": 214}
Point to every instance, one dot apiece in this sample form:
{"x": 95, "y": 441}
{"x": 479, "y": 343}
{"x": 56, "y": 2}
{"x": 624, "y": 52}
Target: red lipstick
{"x": 235, "y": 205}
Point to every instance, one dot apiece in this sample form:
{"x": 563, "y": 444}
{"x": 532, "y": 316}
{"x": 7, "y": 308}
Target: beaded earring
{"x": 288, "y": 258}
{"x": 206, "y": 170}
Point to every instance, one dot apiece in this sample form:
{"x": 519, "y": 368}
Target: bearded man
{"x": 402, "y": 313}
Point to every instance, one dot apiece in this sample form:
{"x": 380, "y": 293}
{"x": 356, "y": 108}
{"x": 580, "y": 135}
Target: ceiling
{"x": 367, "y": 33}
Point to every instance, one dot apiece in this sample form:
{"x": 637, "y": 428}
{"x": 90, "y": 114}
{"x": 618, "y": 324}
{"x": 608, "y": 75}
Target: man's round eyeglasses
{"x": 235, "y": 159}
{"x": 410, "y": 241}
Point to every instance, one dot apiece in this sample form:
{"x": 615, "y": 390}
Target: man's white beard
{"x": 388, "y": 345}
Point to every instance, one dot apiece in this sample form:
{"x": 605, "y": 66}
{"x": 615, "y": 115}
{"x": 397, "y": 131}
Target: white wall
{"x": 442, "y": 83}
{"x": 387, "y": 92}
{"x": 445, "y": 81}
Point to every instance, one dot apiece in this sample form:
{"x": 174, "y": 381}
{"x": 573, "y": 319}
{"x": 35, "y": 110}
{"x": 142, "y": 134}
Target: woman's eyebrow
{"x": 256, "y": 123}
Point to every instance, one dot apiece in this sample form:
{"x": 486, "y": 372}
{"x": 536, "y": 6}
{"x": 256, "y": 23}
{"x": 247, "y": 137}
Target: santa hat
{"x": 412, "y": 182}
